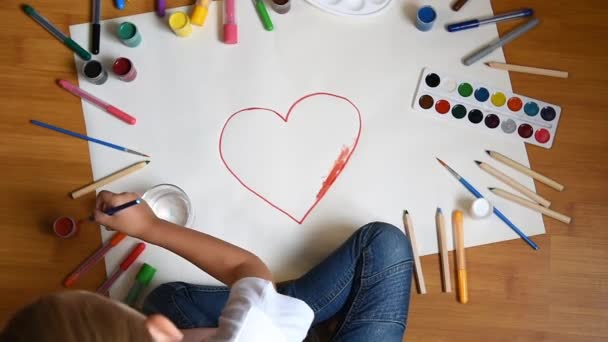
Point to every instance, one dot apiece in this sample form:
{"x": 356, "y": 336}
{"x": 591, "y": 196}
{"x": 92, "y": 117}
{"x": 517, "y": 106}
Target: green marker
{"x": 84, "y": 54}
{"x": 263, "y": 13}
{"x": 143, "y": 278}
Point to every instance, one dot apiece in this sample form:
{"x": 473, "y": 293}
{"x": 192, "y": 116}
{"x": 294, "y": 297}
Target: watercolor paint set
{"x": 486, "y": 108}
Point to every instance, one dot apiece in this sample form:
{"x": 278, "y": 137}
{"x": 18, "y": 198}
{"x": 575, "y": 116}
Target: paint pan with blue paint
{"x": 425, "y": 18}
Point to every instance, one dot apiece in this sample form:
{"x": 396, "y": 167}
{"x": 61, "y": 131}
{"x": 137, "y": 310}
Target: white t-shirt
{"x": 255, "y": 311}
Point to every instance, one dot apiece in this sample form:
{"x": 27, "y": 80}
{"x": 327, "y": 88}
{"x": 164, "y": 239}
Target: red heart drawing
{"x": 335, "y": 171}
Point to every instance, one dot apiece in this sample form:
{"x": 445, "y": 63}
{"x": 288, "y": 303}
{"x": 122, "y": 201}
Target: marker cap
{"x": 230, "y": 33}
{"x": 199, "y": 14}
{"x": 145, "y": 274}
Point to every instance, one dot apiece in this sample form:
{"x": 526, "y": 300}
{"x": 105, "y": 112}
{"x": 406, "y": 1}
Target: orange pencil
{"x": 461, "y": 267}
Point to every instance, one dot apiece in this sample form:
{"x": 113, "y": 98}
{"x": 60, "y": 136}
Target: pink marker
{"x": 231, "y": 32}
{"x": 99, "y": 103}
{"x": 124, "y": 265}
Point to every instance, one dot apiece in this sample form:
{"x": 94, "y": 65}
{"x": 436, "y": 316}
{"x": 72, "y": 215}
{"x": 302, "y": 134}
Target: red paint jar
{"x": 65, "y": 227}
{"x": 124, "y": 69}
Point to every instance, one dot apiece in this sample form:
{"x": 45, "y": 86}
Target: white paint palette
{"x": 351, "y": 7}
{"x": 485, "y": 108}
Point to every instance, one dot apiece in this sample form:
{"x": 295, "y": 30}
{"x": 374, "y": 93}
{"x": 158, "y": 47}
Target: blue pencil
{"x": 496, "y": 211}
{"x": 87, "y": 138}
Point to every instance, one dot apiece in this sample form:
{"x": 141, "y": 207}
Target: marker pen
{"x": 230, "y": 27}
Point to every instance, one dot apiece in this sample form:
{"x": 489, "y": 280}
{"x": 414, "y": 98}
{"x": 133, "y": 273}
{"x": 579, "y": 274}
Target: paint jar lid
{"x": 180, "y": 24}
{"x": 145, "y": 274}
{"x": 481, "y": 208}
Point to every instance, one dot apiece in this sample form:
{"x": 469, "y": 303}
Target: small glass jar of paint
{"x": 179, "y": 22}
{"x": 94, "y": 72}
{"x": 65, "y": 227}
{"x": 281, "y": 6}
{"x": 129, "y": 34}
{"x": 124, "y": 69}
{"x": 481, "y": 208}
{"x": 425, "y": 18}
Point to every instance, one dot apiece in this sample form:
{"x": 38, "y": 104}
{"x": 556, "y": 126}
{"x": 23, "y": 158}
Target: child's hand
{"x": 133, "y": 221}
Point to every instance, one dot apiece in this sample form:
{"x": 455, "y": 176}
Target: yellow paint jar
{"x": 180, "y": 24}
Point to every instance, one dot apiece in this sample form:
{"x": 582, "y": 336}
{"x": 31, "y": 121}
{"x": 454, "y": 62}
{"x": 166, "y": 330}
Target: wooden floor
{"x": 559, "y": 293}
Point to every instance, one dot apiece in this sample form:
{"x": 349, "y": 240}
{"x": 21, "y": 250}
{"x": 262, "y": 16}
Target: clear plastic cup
{"x": 170, "y": 203}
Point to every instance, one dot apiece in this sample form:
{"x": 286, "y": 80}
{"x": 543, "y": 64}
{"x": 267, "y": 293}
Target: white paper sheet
{"x": 186, "y": 89}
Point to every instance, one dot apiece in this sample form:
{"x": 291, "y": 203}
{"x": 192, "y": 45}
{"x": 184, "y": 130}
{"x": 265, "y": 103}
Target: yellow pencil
{"x": 108, "y": 179}
{"x": 461, "y": 267}
{"x": 528, "y": 70}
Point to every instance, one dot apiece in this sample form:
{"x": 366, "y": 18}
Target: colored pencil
{"x": 108, "y": 179}
{"x": 443, "y": 251}
{"x": 419, "y": 277}
{"x": 124, "y": 265}
{"x": 531, "y": 205}
{"x": 93, "y": 259}
{"x": 461, "y": 266}
{"x": 525, "y": 170}
{"x": 513, "y": 183}
{"x": 528, "y": 69}
{"x": 497, "y": 212}
{"x": 500, "y": 42}
{"x": 87, "y": 138}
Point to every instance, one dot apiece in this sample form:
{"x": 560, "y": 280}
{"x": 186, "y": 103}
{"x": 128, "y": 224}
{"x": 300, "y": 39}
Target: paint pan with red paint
{"x": 65, "y": 227}
{"x": 485, "y": 108}
{"x": 124, "y": 69}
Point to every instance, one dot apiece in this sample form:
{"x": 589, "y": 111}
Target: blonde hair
{"x": 75, "y": 316}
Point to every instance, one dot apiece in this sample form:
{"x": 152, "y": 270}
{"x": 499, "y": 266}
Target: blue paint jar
{"x": 425, "y": 18}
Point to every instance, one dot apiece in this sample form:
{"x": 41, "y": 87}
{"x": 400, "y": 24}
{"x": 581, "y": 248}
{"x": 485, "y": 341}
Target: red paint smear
{"x": 336, "y": 170}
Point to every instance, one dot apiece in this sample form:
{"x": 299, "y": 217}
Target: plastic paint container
{"x": 129, "y": 34}
{"x": 124, "y": 69}
{"x": 94, "y": 72}
{"x": 425, "y": 18}
{"x": 170, "y": 203}
{"x": 65, "y": 227}
{"x": 281, "y": 6}
{"x": 180, "y": 24}
{"x": 481, "y": 208}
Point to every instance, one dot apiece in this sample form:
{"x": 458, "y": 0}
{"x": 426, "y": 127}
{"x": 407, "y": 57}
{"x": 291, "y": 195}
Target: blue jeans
{"x": 364, "y": 285}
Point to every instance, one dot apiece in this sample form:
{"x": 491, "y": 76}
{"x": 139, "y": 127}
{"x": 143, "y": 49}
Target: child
{"x": 364, "y": 286}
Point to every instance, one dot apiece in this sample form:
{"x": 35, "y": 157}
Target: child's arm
{"x": 222, "y": 260}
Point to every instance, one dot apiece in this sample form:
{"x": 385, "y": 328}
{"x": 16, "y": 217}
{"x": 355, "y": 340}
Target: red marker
{"x": 124, "y": 265}
{"x": 93, "y": 259}
{"x": 99, "y": 103}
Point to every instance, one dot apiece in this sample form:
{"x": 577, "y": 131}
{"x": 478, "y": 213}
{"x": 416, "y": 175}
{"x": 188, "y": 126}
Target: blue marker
{"x": 120, "y": 4}
{"x": 469, "y": 24}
